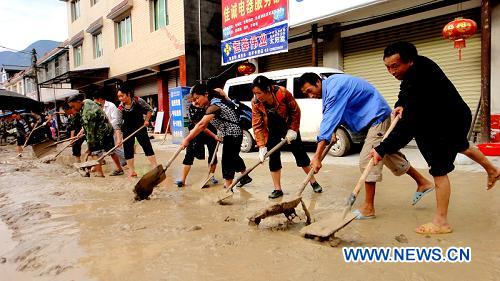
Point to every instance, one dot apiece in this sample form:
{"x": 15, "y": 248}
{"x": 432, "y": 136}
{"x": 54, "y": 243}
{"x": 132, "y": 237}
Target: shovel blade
{"x": 223, "y": 196}
{"x": 84, "y": 165}
{"x": 275, "y": 209}
{"x": 144, "y": 187}
{"x": 326, "y": 228}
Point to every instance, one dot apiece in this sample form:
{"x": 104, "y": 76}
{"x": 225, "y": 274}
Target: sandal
{"x": 431, "y": 228}
{"x": 418, "y": 195}
{"x": 116, "y": 173}
{"x": 360, "y": 216}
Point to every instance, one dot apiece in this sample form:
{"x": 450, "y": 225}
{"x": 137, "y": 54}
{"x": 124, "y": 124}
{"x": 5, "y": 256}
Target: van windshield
{"x": 242, "y": 92}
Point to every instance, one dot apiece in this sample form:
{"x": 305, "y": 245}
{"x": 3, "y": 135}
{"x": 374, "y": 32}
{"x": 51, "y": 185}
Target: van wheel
{"x": 342, "y": 146}
{"x": 247, "y": 143}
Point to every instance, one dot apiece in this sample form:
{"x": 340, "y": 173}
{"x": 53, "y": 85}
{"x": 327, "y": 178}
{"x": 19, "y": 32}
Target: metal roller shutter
{"x": 297, "y": 57}
{"x": 146, "y": 86}
{"x": 173, "y": 78}
{"x": 363, "y": 55}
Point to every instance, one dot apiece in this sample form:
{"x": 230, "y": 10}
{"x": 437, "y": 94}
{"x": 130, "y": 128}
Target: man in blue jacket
{"x": 356, "y": 104}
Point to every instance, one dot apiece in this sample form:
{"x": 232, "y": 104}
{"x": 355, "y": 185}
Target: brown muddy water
{"x": 57, "y": 225}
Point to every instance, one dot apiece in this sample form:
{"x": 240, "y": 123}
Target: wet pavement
{"x": 57, "y": 225}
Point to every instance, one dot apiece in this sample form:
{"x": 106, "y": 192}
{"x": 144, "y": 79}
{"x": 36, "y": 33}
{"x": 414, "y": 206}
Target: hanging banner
{"x": 271, "y": 40}
{"x": 244, "y": 16}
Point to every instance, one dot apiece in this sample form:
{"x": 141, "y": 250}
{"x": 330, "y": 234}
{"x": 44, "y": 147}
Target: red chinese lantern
{"x": 458, "y": 30}
{"x": 246, "y": 68}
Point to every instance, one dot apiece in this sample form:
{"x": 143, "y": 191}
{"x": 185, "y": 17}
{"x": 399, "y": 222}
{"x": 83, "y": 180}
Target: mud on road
{"x": 57, "y": 225}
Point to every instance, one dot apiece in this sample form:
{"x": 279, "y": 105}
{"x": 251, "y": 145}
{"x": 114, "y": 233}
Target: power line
{"x": 24, "y": 52}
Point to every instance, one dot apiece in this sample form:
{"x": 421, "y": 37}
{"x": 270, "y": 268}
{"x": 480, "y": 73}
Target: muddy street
{"x": 57, "y": 225}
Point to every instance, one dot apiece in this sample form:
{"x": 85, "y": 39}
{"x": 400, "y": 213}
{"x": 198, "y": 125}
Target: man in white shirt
{"x": 113, "y": 115}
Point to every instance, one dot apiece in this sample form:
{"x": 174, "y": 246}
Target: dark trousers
{"x": 199, "y": 144}
{"x": 231, "y": 160}
{"x": 77, "y": 147}
{"x": 143, "y": 139}
{"x": 297, "y": 148}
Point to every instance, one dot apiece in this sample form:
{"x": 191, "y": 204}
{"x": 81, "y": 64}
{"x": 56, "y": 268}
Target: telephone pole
{"x": 35, "y": 70}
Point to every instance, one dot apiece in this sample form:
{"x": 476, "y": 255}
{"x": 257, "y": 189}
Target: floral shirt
{"x": 95, "y": 123}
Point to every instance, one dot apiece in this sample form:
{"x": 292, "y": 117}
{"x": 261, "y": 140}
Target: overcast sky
{"x": 23, "y": 22}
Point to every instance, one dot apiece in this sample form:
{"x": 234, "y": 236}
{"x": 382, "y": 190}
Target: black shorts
{"x": 197, "y": 149}
{"x": 441, "y": 148}
{"x": 20, "y": 140}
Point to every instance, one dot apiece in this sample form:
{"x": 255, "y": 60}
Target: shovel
{"x": 210, "y": 175}
{"x": 92, "y": 163}
{"x": 49, "y": 159}
{"x": 61, "y": 141}
{"x": 229, "y": 192}
{"x": 145, "y": 185}
{"x": 288, "y": 207}
{"x": 166, "y": 130}
{"x": 34, "y": 129}
{"x": 326, "y": 228}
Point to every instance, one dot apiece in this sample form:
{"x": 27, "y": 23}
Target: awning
{"x": 95, "y": 27}
{"x": 60, "y": 97}
{"x": 79, "y": 78}
{"x": 116, "y": 14}
{"x": 77, "y": 39}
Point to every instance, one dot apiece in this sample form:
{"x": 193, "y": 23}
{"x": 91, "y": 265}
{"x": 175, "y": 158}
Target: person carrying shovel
{"x": 75, "y": 125}
{"x": 276, "y": 115}
{"x": 98, "y": 131}
{"x": 196, "y": 148}
{"x": 22, "y": 122}
{"x": 355, "y": 103}
{"x": 434, "y": 113}
{"x": 223, "y": 117}
{"x": 132, "y": 111}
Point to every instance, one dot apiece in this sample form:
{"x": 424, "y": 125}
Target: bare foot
{"x": 132, "y": 175}
{"x": 425, "y": 186}
{"x": 432, "y": 228}
{"x": 492, "y": 179}
{"x": 367, "y": 210}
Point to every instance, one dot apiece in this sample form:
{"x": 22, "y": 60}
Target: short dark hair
{"x": 406, "y": 50}
{"x": 99, "y": 94}
{"x": 65, "y": 106}
{"x": 199, "y": 89}
{"x": 263, "y": 83}
{"x": 126, "y": 88}
{"x": 76, "y": 98}
{"x": 309, "y": 77}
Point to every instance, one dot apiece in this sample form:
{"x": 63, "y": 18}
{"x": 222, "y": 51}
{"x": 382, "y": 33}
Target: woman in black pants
{"x": 132, "y": 111}
{"x": 224, "y": 118}
{"x": 196, "y": 148}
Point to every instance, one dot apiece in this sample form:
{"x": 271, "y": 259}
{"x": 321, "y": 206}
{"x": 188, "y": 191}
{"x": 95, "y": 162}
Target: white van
{"x": 240, "y": 88}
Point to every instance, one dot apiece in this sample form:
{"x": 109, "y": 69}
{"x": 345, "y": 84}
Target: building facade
{"x": 153, "y": 44}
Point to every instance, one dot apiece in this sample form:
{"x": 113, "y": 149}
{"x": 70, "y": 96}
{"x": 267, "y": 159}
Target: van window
{"x": 280, "y": 82}
{"x": 297, "y": 93}
{"x": 241, "y": 92}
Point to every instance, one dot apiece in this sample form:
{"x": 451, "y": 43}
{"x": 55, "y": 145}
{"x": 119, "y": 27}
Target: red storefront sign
{"x": 244, "y": 16}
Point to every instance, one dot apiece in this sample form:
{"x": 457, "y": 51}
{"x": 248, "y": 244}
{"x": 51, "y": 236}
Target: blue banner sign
{"x": 179, "y": 108}
{"x": 271, "y": 40}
